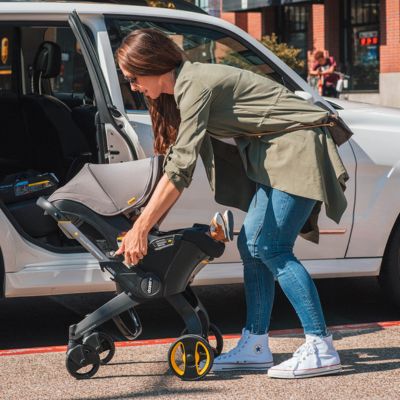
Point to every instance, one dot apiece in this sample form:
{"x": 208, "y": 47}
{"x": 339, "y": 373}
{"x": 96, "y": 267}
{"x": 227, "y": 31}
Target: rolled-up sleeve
{"x": 193, "y": 100}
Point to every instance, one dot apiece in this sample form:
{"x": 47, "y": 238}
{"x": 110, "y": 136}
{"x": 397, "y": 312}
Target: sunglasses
{"x": 131, "y": 80}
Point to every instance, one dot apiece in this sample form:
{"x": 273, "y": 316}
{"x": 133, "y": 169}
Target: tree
{"x": 288, "y": 54}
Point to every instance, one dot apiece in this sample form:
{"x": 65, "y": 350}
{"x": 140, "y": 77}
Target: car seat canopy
{"x": 112, "y": 189}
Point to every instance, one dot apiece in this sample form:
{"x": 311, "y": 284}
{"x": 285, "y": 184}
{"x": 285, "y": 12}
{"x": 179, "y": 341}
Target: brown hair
{"x": 319, "y": 54}
{"x": 150, "y": 52}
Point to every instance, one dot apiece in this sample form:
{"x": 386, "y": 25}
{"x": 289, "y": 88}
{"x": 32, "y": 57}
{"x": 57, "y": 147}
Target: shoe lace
{"x": 242, "y": 341}
{"x": 306, "y": 349}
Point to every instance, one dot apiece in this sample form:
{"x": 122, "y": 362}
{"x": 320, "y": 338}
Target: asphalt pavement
{"x": 370, "y": 351}
{"x": 370, "y": 359}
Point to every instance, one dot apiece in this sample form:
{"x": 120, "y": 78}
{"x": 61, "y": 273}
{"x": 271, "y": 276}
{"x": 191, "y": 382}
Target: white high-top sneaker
{"x": 251, "y": 353}
{"x": 315, "y": 357}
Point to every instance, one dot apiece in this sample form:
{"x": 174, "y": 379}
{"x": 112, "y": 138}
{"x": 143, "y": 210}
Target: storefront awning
{"x": 243, "y": 5}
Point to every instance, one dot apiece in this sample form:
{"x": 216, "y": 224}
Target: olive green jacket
{"x": 277, "y": 141}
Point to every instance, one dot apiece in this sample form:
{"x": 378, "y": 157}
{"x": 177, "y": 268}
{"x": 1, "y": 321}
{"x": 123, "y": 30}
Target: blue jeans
{"x": 265, "y": 244}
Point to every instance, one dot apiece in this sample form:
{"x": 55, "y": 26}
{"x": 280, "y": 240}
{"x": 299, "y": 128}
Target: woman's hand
{"x": 134, "y": 245}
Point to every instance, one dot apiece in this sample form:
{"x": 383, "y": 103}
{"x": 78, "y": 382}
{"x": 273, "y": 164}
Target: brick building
{"x": 363, "y": 36}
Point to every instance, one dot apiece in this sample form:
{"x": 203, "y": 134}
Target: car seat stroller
{"x": 94, "y": 208}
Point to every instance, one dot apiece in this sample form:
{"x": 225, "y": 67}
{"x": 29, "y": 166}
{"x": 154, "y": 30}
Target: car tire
{"x": 389, "y": 277}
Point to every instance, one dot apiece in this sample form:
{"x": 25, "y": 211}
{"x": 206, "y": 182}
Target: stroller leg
{"x": 208, "y": 328}
{"x": 188, "y": 313}
{"x": 114, "y": 307}
{"x": 84, "y": 357}
{"x": 198, "y": 307}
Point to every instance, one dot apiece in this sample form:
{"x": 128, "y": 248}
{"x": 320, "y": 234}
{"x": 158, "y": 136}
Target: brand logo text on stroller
{"x": 149, "y": 285}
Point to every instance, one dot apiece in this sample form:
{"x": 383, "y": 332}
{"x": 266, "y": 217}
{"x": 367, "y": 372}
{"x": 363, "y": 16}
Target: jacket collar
{"x": 179, "y": 68}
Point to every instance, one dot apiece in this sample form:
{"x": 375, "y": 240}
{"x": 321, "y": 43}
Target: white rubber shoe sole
{"x": 304, "y": 373}
{"x": 220, "y": 367}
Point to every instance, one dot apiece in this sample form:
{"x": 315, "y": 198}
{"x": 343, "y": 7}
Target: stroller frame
{"x": 135, "y": 286}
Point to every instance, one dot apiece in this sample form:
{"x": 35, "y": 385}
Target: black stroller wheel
{"x": 107, "y": 348}
{"x": 103, "y": 344}
{"x": 190, "y": 357}
{"x": 82, "y": 361}
{"x": 219, "y": 340}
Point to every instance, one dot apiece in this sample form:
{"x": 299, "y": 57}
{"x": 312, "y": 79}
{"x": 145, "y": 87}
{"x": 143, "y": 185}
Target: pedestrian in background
{"x": 284, "y": 166}
{"x": 324, "y": 69}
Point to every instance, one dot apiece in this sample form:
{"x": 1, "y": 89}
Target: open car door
{"x": 116, "y": 138}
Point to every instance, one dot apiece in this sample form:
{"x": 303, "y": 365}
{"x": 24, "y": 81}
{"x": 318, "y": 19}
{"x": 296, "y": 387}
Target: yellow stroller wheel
{"x": 190, "y": 357}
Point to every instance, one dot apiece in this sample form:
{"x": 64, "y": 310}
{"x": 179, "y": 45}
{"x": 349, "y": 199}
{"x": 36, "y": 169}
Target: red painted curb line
{"x": 283, "y": 332}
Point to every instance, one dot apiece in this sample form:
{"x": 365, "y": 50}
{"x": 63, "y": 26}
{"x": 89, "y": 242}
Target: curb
{"x": 135, "y": 343}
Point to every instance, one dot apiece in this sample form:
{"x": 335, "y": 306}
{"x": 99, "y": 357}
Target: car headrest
{"x": 48, "y": 60}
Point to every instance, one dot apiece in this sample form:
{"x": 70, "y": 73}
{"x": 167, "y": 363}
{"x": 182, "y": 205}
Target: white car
{"x": 49, "y": 128}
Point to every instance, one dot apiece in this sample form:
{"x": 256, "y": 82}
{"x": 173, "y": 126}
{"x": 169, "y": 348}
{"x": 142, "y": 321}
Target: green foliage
{"x": 288, "y": 54}
{"x": 161, "y": 3}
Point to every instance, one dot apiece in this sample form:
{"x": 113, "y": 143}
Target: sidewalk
{"x": 370, "y": 357}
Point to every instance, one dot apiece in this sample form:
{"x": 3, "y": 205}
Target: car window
{"x": 74, "y": 76}
{"x": 73, "y": 79}
{"x": 200, "y": 44}
{"x": 6, "y": 62}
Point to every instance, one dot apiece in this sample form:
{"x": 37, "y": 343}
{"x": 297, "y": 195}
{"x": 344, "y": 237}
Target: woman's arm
{"x": 329, "y": 71}
{"x": 194, "y": 100}
{"x": 134, "y": 245}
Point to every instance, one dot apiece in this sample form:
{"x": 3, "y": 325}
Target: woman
{"x": 283, "y": 168}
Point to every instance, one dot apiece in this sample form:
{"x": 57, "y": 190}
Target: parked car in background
{"x": 63, "y": 103}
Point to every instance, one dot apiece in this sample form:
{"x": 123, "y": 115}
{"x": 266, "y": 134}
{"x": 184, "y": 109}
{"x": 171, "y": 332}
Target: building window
{"x": 295, "y": 29}
{"x": 212, "y": 7}
{"x": 363, "y": 44}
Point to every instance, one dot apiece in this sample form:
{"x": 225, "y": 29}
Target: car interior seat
{"x": 15, "y": 143}
{"x": 59, "y": 145}
{"x": 40, "y": 137}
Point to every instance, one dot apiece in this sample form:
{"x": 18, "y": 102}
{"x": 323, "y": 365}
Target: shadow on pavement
{"x": 137, "y": 362}
{"x": 25, "y": 322}
{"x": 156, "y": 392}
{"x": 339, "y": 332}
{"x": 126, "y": 376}
{"x": 362, "y": 360}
